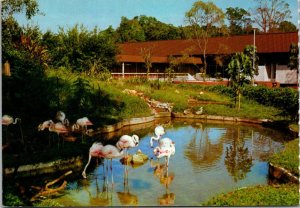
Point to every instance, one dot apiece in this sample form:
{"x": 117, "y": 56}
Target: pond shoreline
{"x": 76, "y": 162}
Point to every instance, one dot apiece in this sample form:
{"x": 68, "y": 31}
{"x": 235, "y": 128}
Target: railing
{"x": 150, "y": 75}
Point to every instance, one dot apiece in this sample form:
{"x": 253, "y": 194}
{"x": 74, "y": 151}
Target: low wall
{"x": 282, "y": 174}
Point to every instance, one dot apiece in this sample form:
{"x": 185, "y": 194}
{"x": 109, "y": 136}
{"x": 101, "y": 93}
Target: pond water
{"x": 210, "y": 158}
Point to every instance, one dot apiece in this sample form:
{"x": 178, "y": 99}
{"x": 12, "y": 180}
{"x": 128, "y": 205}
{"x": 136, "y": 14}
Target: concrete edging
{"x": 281, "y": 173}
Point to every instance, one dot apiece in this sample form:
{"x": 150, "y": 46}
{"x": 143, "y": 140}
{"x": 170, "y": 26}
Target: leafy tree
{"x": 81, "y": 50}
{"x": 204, "y": 18}
{"x": 287, "y": 26}
{"x": 156, "y": 30}
{"x": 239, "y": 71}
{"x": 239, "y": 20}
{"x": 130, "y": 30}
{"x": 147, "y": 55}
{"x": 251, "y": 52}
{"x": 268, "y": 14}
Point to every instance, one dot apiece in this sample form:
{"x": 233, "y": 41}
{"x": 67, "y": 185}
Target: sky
{"x": 103, "y": 13}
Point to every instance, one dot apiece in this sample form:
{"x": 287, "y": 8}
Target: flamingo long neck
{"x": 16, "y": 120}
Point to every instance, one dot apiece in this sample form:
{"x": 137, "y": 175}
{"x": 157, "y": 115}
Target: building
{"x": 272, "y": 50}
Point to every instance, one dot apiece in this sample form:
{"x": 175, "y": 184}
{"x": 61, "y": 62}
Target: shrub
{"x": 285, "y": 99}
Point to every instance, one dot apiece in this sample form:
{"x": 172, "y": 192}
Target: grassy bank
{"x": 288, "y": 158}
{"x": 276, "y": 195}
{"x": 269, "y": 195}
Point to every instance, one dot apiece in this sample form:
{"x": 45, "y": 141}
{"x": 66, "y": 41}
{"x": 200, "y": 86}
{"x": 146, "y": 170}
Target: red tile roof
{"x": 265, "y": 43}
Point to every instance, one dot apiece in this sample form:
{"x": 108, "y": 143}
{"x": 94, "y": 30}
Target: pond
{"x": 210, "y": 158}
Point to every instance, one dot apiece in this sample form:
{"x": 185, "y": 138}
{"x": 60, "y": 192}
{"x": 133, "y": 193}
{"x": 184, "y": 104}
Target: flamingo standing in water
{"x": 165, "y": 149}
{"x": 45, "y": 125}
{"x": 126, "y": 142}
{"x": 159, "y": 131}
{"x": 82, "y": 123}
{"x": 107, "y": 152}
{"x": 59, "y": 128}
{"x": 61, "y": 116}
{"x": 7, "y": 120}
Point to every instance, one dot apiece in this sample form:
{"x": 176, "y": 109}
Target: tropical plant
{"x": 239, "y": 71}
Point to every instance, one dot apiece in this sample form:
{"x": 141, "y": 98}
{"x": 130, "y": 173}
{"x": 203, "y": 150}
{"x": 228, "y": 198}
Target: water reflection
{"x": 210, "y": 159}
{"x": 201, "y": 151}
{"x": 126, "y": 198}
{"x": 101, "y": 197}
{"x": 161, "y": 172}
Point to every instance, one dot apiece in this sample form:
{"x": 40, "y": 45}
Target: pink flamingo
{"x": 107, "y": 152}
{"x": 82, "y": 123}
{"x": 165, "y": 149}
{"x": 45, "y": 125}
{"x": 61, "y": 116}
{"x": 159, "y": 131}
{"x": 7, "y": 120}
{"x": 126, "y": 142}
{"x": 59, "y": 128}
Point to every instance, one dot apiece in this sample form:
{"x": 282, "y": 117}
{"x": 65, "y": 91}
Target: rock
{"x": 187, "y": 111}
{"x": 137, "y": 159}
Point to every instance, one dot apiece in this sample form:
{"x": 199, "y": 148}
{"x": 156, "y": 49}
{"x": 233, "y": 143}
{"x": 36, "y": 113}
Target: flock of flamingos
{"x": 165, "y": 148}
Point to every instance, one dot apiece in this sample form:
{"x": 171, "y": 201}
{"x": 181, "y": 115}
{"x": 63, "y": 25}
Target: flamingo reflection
{"x": 101, "y": 197}
{"x": 161, "y": 172}
{"x": 126, "y": 198}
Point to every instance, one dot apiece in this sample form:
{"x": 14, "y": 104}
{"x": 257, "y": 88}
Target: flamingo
{"x": 61, "y": 116}
{"x": 7, "y": 120}
{"x": 126, "y": 142}
{"x": 165, "y": 149}
{"x": 107, "y": 152}
{"x": 45, "y": 125}
{"x": 159, "y": 131}
{"x": 82, "y": 123}
{"x": 59, "y": 128}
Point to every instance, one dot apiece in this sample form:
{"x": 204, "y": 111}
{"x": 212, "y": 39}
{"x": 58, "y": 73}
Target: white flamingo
{"x": 82, "y": 123}
{"x": 158, "y": 131}
{"x": 107, "y": 152}
{"x": 165, "y": 149}
{"x": 126, "y": 142}
{"x": 7, "y": 120}
{"x": 61, "y": 116}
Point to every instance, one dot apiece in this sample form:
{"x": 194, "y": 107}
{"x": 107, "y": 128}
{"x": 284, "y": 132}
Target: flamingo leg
{"x": 22, "y": 138}
{"x": 112, "y": 175}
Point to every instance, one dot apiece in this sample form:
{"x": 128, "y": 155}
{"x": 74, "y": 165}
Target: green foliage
{"x": 11, "y": 7}
{"x": 287, "y": 26}
{"x": 283, "y": 195}
{"x": 289, "y": 157}
{"x": 239, "y": 20}
{"x": 285, "y": 99}
{"x": 130, "y": 30}
{"x": 81, "y": 50}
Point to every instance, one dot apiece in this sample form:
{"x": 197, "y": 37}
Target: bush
{"x": 285, "y": 99}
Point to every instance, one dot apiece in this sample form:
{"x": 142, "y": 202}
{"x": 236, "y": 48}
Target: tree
{"x": 81, "y": 50}
{"x": 270, "y": 13}
{"x": 251, "y": 52}
{"x": 239, "y": 20}
{"x": 147, "y": 55}
{"x": 130, "y": 30}
{"x": 239, "y": 70}
{"x": 287, "y": 26}
{"x": 204, "y": 18}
